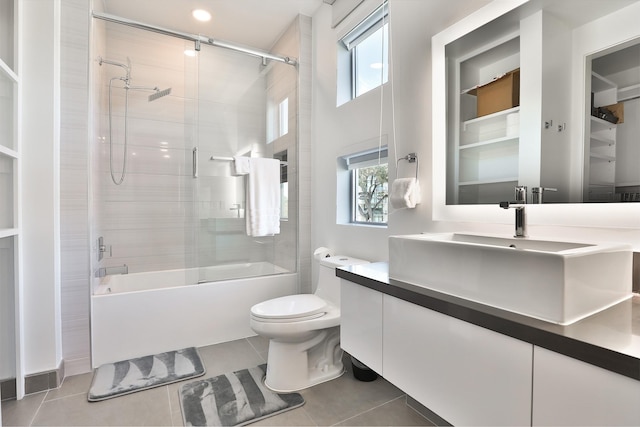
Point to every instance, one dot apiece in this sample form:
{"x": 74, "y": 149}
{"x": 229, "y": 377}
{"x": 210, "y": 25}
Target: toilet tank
{"x": 328, "y": 283}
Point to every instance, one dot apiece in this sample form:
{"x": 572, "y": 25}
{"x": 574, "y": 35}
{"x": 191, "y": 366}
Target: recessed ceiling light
{"x": 201, "y": 15}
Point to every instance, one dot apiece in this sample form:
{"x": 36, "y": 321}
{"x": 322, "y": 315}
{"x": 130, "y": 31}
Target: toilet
{"x": 304, "y": 332}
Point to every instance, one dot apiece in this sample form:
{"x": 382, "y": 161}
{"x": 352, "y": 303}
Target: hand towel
{"x": 263, "y": 197}
{"x": 405, "y": 193}
{"x": 240, "y": 165}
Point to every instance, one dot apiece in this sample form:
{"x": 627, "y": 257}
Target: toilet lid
{"x": 290, "y": 307}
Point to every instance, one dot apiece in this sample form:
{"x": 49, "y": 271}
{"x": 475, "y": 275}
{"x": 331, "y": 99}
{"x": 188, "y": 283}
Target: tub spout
{"x": 107, "y": 271}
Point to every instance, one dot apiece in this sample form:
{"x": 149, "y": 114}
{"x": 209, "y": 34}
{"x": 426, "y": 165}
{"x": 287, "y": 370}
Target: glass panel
{"x": 8, "y": 90}
{"x": 371, "y": 57}
{"x": 160, "y": 202}
{"x": 7, "y": 32}
{"x": 7, "y": 309}
{"x": 142, "y": 162}
{"x": 6, "y": 192}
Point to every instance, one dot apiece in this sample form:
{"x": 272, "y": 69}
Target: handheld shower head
{"x": 159, "y": 94}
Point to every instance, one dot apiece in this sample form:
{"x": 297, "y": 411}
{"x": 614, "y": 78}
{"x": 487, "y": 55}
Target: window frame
{"x": 378, "y": 19}
{"x": 361, "y": 160}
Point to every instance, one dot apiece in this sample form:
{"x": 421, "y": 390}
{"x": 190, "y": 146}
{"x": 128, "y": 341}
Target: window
{"x": 277, "y": 119}
{"x": 284, "y": 184}
{"x": 369, "y": 187}
{"x": 368, "y": 48}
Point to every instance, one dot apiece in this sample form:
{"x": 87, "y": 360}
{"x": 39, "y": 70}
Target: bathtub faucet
{"x": 107, "y": 271}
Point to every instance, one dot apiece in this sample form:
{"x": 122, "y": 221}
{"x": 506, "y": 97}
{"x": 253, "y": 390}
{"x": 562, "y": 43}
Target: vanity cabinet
{"x": 466, "y": 374}
{"x": 361, "y": 323}
{"x": 567, "y": 391}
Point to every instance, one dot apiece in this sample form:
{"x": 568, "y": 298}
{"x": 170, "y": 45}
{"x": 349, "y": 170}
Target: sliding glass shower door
{"x": 167, "y": 120}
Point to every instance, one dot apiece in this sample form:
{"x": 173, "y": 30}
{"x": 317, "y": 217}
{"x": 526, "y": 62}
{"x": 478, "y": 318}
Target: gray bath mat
{"x": 234, "y": 399}
{"x": 116, "y": 379}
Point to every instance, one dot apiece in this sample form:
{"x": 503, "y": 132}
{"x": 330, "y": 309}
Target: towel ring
{"x": 411, "y": 158}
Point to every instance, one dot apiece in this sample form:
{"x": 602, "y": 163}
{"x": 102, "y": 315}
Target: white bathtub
{"x": 139, "y": 314}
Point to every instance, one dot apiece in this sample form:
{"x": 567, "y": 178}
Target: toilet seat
{"x": 290, "y": 308}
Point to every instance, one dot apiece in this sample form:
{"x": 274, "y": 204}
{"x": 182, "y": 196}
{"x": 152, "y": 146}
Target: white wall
{"x": 339, "y": 130}
{"x": 40, "y": 185}
{"x": 413, "y": 23}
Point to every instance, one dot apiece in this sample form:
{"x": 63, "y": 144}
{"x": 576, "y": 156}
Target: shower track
{"x": 197, "y": 39}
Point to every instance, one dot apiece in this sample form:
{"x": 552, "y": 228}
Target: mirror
{"x": 517, "y": 80}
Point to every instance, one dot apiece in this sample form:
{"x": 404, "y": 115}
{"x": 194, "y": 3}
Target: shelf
{"x": 489, "y": 181}
{"x": 505, "y": 140}
{"x": 600, "y": 141}
{"x": 602, "y": 157}
{"x": 8, "y": 71}
{"x": 597, "y": 124}
{"x": 599, "y": 83}
{"x": 628, "y": 92}
{"x": 4, "y": 151}
{"x": 8, "y": 232}
{"x": 500, "y": 115}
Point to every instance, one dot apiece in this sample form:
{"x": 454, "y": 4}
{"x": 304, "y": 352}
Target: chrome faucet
{"x": 518, "y": 205}
{"x": 537, "y": 194}
{"x": 521, "y": 224}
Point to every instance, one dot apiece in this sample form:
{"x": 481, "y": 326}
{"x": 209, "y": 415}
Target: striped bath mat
{"x": 234, "y": 399}
{"x": 119, "y": 378}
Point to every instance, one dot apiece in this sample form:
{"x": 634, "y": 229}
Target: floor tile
{"x": 21, "y": 412}
{"x": 394, "y": 413}
{"x": 294, "y": 417}
{"x": 228, "y": 357}
{"x": 343, "y": 401}
{"x": 77, "y": 384}
{"x": 345, "y": 397}
{"x": 145, "y": 408}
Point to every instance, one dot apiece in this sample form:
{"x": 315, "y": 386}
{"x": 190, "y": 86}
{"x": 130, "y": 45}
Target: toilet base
{"x": 296, "y": 366}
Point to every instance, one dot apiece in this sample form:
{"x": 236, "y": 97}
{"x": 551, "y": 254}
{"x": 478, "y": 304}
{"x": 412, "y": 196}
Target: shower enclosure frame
{"x": 197, "y": 39}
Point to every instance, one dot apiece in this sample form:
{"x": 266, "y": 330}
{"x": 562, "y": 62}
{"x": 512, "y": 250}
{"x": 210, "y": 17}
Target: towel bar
{"x": 411, "y": 158}
{"x": 230, "y": 159}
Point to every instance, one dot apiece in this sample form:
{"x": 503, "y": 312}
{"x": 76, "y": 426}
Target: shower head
{"x": 159, "y": 94}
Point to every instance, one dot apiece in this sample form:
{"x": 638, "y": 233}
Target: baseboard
{"x": 8, "y": 389}
{"x": 35, "y": 383}
{"x": 426, "y": 412}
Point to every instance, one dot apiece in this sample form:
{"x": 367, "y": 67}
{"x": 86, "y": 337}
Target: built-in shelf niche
{"x": 485, "y": 148}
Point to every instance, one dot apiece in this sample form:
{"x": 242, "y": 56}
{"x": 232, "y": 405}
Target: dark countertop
{"x": 609, "y": 339}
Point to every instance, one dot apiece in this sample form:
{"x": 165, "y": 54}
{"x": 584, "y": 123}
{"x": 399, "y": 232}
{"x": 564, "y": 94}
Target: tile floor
{"x": 343, "y": 401}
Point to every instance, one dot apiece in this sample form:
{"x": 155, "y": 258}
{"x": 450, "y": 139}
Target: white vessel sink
{"x": 559, "y": 282}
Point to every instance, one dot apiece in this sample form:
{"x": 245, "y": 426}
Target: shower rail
{"x": 196, "y": 38}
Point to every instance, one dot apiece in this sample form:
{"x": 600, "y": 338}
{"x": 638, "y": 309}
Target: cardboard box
{"x": 618, "y": 111}
{"x": 501, "y": 94}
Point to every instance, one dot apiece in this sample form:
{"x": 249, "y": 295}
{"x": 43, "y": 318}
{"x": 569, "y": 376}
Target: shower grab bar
{"x": 197, "y": 39}
{"x": 195, "y": 162}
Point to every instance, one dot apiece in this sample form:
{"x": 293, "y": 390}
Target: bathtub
{"x": 139, "y": 314}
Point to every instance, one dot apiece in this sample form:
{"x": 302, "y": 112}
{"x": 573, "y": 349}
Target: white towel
{"x": 263, "y": 197}
{"x": 240, "y": 166}
{"x": 405, "y": 193}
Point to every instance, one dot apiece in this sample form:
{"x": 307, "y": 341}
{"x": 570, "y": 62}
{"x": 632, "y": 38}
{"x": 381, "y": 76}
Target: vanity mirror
{"x": 513, "y": 105}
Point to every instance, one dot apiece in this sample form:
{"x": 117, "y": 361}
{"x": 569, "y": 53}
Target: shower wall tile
{"x": 74, "y": 228}
{"x": 147, "y": 188}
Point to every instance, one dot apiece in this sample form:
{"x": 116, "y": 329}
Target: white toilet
{"x": 304, "y": 332}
